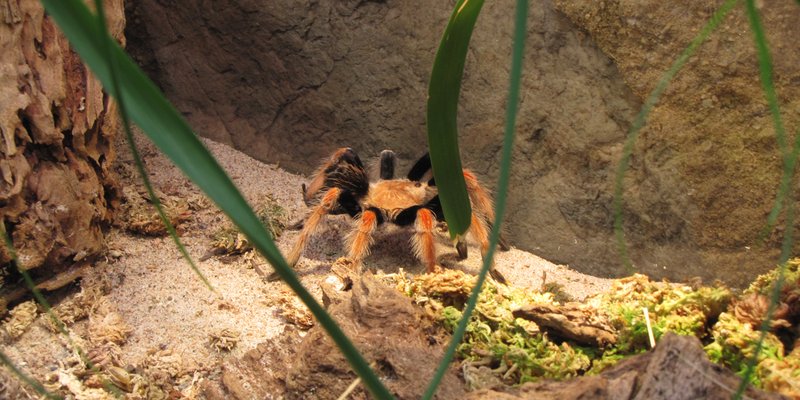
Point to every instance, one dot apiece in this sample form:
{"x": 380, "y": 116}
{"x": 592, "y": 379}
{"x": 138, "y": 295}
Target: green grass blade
{"x": 148, "y": 108}
{"x": 783, "y": 190}
{"x": 443, "y": 92}
{"x": 768, "y": 86}
{"x": 137, "y": 159}
{"x": 789, "y": 161}
{"x": 25, "y": 378}
{"x": 37, "y": 295}
{"x": 502, "y": 190}
{"x": 641, "y": 117}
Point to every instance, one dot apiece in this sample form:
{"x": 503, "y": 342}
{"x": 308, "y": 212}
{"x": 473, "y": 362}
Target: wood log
{"x": 57, "y": 128}
{"x": 573, "y": 321}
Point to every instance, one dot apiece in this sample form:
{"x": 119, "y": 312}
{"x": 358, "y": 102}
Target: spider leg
{"x": 435, "y": 205}
{"x": 343, "y": 170}
{"x": 479, "y": 229}
{"x": 482, "y": 204}
{"x": 329, "y": 202}
{"x": 478, "y": 196}
{"x": 423, "y": 239}
{"x": 360, "y": 239}
{"x": 482, "y": 215}
{"x": 421, "y": 171}
{"x": 388, "y": 162}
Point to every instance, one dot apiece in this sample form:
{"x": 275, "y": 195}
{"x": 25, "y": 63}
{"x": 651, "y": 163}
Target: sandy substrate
{"x": 171, "y": 314}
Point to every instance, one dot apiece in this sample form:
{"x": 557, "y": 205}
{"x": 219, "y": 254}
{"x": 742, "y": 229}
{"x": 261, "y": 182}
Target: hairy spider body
{"x": 341, "y": 186}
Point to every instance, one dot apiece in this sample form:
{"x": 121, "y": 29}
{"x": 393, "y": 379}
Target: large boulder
{"x": 287, "y": 82}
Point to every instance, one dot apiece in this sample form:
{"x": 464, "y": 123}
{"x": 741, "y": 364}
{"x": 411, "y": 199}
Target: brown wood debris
{"x": 574, "y": 321}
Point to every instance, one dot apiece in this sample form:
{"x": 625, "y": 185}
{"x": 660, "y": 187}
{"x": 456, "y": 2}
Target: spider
{"x": 341, "y": 186}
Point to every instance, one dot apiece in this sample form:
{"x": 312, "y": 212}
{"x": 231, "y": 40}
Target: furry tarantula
{"x": 341, "y": 186}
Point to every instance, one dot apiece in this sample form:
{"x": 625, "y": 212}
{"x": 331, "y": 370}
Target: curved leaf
{"x": 443, "y": 93}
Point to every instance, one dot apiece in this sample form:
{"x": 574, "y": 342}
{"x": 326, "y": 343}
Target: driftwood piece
{"x": 574, "y": 321}
{"x": 57, "y": 281}
{"x": 57, "y": 128}
{"x": 676, "y": 369}
{"x": 391, "y": 333}
{"x": 57, "y": 189}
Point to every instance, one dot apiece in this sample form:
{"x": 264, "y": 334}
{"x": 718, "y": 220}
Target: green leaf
{"x": 148, "y": 108}
{"x": 502, "y": 190}
{"x": 443, "y": 93}
{"x": 137, "y": 159}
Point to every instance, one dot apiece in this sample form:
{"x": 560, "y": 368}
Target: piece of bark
{"x": 390, "y": 332}
{"x": 57, "y": 131}
{"x": 573, "y": 321}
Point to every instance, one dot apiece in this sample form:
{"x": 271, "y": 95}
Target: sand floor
{"x": 171, "y": 314}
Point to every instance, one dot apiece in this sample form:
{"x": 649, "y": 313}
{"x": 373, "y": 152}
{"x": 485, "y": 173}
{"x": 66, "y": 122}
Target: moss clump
{"x": 782, "y": 376}
{"x": 501, "y": 349}
{"x": 672, "y": 308}
{"x": 737, "y": 333}
{"x": 735, "y": 344}
{"x": 763, "y": 283}
{"x": 513, "y": 349}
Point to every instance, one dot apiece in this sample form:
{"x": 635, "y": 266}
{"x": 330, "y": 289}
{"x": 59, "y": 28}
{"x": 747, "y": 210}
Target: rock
{"x": 288, "y": 82}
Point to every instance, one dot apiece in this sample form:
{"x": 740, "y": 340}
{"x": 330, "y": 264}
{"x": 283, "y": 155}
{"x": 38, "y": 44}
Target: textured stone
{"x": 288, "y": 81}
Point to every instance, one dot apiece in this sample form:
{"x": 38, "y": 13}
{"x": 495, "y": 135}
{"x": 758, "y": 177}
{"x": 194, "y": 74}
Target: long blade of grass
{"x": 443, "y": 92}
{"x": 148, "y": 108}
{"x": 767, "y": 85}
{"x": 789, "y": 161}
{"x": 641, "y": 117}
{"x": 783, "y": 189}
{"x": 37, "y": 295}
{"x": 137, "y": 159}
{"x": 36, "y": 385}
{"x": 520, "y": 22}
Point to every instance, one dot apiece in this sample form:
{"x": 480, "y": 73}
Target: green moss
{"x": 672, "y": 308}
{"x": 763, "y": 283}
{"x": 735, "y": 344}
{"x": 782, "y": 376}
{"x": 515, "y": 350}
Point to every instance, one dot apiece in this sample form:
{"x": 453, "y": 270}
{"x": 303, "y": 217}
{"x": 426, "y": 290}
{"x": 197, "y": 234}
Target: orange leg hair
{"x": 478, "y": 196}
{"x": 482, "y": 217}
{"x": 361, "y": 239}
{"x": 483, "y": 206}
{"x": 423, "y": 239}
{"x": 480, "y": 232}
{"x": 310, "y": 226}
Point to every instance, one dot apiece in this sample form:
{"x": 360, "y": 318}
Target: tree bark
{"x": 57, "y": 131}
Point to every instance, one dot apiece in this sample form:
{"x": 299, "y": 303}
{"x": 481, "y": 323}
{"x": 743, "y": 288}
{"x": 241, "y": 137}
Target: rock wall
{"x": 57, "y": 131}
{"x": 289, "y": 81}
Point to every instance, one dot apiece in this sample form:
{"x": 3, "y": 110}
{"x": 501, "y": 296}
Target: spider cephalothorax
{"x": 341, "y": 186}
